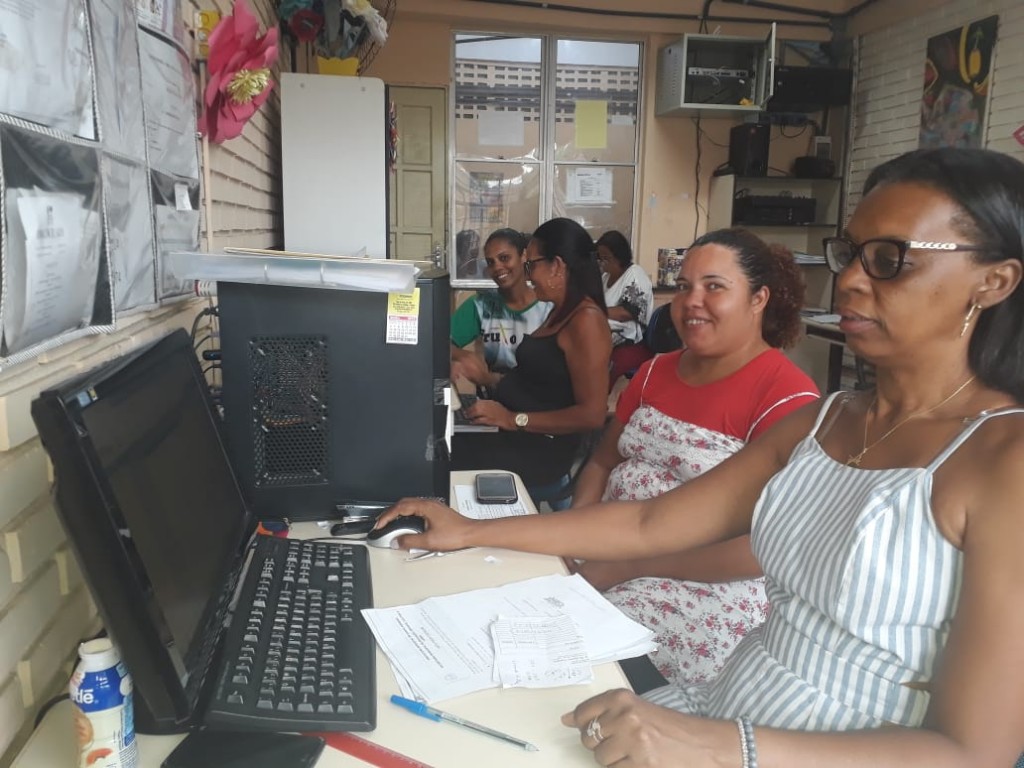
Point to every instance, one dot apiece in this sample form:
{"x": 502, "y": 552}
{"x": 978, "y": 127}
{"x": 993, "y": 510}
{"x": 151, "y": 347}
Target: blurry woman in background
{"x": 497, "y": 319}
{"x": 737, "y": 305}
{"x": 629, "y": 295}
{"x": 558, "y": 388}
{"x": 467, "y": 255}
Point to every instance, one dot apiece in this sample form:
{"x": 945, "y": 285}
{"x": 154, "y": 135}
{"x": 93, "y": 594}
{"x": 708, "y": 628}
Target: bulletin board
{"x": 99, "y": 166}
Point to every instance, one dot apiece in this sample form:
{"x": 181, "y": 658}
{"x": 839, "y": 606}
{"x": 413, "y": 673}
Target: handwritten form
{"x": 443, "y": 647}
{"x": 530, "y": 652}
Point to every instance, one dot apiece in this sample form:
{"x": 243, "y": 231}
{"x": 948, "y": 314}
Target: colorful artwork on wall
{"x": 956, "y": 85}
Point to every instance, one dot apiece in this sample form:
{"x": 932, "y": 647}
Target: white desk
{"x": 530, "y": 714}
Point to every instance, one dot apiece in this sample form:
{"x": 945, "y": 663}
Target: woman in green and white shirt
{"x": 498, "y": 319}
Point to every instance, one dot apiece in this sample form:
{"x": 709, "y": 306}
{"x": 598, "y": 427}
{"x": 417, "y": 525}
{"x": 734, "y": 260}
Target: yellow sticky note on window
{"x": 591, "y": 124}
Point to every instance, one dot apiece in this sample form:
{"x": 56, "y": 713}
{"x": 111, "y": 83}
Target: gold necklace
{"x": 854, "y": 461}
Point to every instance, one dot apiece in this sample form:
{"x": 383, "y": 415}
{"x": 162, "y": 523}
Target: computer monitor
{"x": 321, "y": 408}
{"x": 153, "y": 514}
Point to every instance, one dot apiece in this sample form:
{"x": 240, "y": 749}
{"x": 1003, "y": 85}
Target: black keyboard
{"x": 459, "y": 416}
{"x": 298, "y": 655}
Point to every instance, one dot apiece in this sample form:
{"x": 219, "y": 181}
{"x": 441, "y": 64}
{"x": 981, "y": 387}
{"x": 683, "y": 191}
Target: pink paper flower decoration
{"x": 239, "y": 70}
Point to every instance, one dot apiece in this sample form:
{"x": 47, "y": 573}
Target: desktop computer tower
{"x": 748, "y": 149}
{"x": 320, "y": 411}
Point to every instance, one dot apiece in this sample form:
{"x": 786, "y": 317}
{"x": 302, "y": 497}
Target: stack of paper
{"x": 532, "y": 652}
{"x": 442, "y": 647}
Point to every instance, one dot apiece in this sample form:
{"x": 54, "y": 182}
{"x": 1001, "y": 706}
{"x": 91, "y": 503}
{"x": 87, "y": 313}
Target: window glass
{"x": 490, "y": 196}
{"x": 497, "y": 97}
{"x": 597, "y": 196}
{"x": 596, "y": 92}
{"x": 518, "y": 162}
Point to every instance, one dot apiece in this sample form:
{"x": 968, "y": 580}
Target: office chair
{"x": 659, "y": 336}
{"x": 558, "y": 495}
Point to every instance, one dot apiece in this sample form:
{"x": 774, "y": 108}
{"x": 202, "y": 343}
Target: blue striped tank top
{"x": 863, "y": 588}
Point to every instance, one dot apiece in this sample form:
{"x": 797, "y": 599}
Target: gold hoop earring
{"x": 967, "y": 320}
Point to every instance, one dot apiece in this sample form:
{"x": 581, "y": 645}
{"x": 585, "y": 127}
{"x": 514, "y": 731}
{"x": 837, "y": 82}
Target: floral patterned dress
{"x": 696, "y": 625}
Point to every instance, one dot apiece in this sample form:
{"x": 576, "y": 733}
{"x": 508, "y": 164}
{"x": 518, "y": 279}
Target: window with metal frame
{"x": 542, "y": 127}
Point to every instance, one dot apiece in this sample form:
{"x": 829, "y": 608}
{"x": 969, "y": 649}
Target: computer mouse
{"x": 387, "y": 535}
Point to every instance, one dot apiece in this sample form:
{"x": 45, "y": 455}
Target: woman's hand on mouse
{"x": 447, "y": 530}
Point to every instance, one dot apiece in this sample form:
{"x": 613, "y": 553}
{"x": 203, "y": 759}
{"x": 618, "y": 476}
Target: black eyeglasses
{"x": 882, "y": 257}
{"x": 528, "y": 265}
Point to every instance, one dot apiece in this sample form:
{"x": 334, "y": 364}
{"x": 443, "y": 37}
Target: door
{"x": 419, "y": 187}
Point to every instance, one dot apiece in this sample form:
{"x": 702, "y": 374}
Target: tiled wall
{"x": 890, "y": 71}
{"x": 44, "y": 606}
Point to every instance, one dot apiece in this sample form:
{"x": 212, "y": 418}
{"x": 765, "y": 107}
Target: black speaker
{"x": 748, "y": 149}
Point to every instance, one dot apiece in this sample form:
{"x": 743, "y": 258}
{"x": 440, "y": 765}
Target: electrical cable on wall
{"x": 697, "y": 207}
{"x": 798, "y": 134}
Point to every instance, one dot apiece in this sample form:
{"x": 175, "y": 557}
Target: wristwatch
{"x": 522, "y": 419}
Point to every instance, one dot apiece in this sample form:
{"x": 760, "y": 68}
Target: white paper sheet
{"x": 468, "y": 506}
{"x": 167, "y": 92}
{"x": 53, "y": 259}
{"x": 442, "y": 647}
{"x": 539, "y": 653}
{"x": 160, "y": 16}
{"x": 589, "y": 186}
{"x": 45, "y": 74}
{"x": 500, "y": 129}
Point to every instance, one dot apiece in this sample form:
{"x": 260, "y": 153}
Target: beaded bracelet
{"x": 748, "y": 747}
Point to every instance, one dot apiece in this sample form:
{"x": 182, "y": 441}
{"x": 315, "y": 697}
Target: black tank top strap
{"x": 568, "y": 318}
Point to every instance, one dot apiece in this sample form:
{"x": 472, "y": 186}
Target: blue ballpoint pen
{"x": 421, "y": 709}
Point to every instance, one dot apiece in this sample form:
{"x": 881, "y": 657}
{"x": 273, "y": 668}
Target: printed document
{"x": 442, "y": 647}
{"x": 468, "y": 506}
{"x": 532, "y": 652}
{"x": 53, "y": 254}
{"x": 44, "y": 64}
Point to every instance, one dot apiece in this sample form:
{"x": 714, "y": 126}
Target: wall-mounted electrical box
{"x": 716, "y": 75}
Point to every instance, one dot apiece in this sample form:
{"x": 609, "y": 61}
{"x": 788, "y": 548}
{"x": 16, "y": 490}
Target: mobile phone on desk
{"x": 496, "y": 488}
{"x": 253, "y": 749}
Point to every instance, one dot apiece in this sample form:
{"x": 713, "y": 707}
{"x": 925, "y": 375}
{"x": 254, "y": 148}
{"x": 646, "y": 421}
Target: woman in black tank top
{"x": 559, "y": 387}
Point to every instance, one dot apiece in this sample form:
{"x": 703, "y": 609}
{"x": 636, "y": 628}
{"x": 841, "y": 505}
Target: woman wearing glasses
{"x": 558, "y": 389}
{"x": 888, "y": 522}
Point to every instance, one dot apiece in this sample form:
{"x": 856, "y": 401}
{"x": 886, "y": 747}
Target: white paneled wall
{"x": 45, "y": 607}
{"x": 890, "y": 78}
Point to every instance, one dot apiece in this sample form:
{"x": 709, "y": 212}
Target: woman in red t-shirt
{"x": 738, "y": 303}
